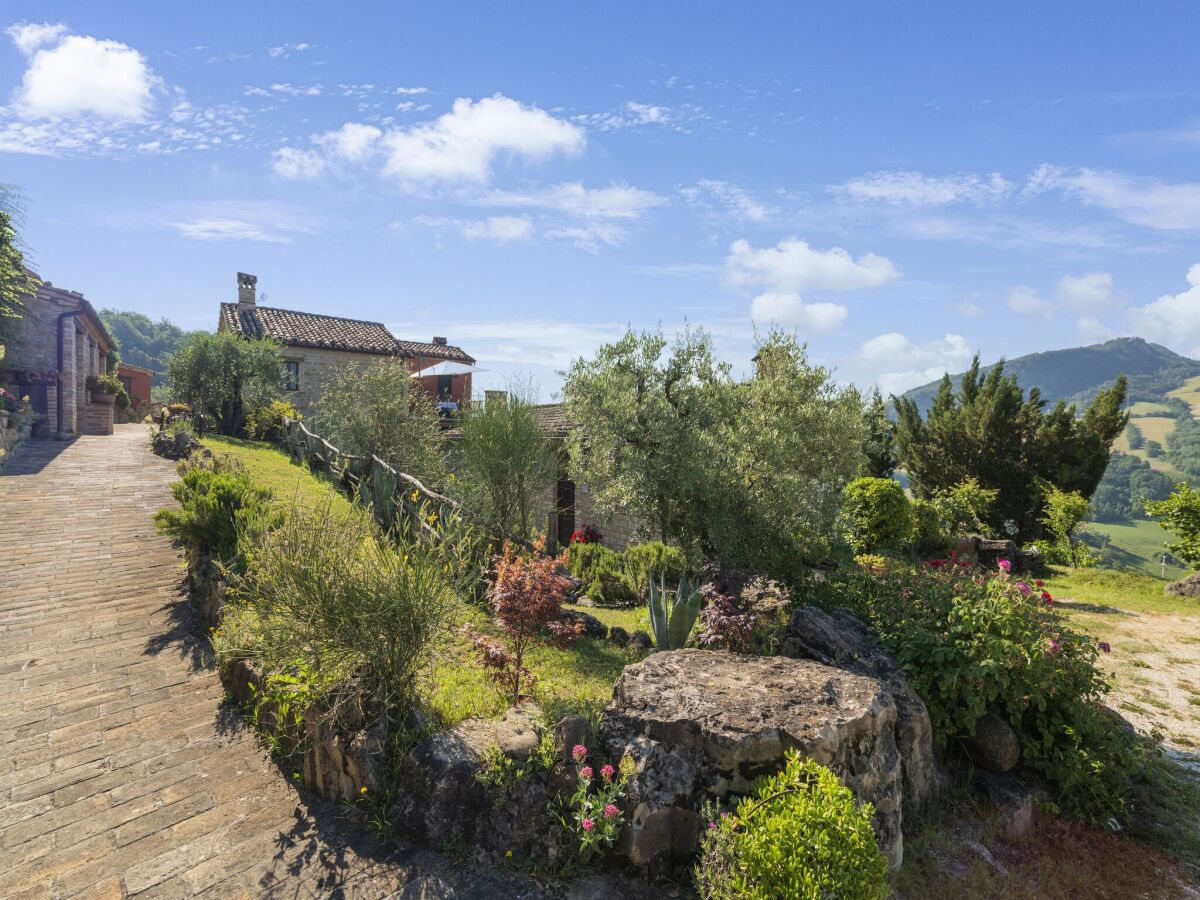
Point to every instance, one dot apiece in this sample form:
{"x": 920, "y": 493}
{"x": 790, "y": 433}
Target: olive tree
{"x": 225, "y": 376}
{"x": 379, "y": 409}
{"x": 747, "y": 472}
{"x": 508, "y": 460}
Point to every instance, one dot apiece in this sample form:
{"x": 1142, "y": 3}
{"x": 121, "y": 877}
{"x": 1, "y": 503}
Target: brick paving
{"x": 121, "y": 774}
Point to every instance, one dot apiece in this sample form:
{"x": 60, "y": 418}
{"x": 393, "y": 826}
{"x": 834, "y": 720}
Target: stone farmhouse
{"x": 56, "y": 344}
{"x": 314, "y": 345}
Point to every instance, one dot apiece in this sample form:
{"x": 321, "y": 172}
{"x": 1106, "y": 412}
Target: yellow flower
{"x": 451, "y": 477}
{"x": 363, "y": 789}
{"x": 508, "y": 853}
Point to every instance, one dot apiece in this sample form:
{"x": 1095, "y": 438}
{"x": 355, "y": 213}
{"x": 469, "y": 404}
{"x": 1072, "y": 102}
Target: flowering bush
{"x": 265, "y": 423}
{"x": 596, "y": 817}
{"x": 588, "y": 534}
{"x": 972, "y": 641}
{"x": 800, "y": 836}
{"x": 526, "y": 598}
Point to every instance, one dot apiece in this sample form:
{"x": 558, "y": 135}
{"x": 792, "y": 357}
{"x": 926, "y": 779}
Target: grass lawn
{"x": 1130, "y": 591}
{"x": 1138, "y": 545}
{"x": 1146, "y": 408}
{"x": 271, "y": 467}
{"x": 1189, "y": 392}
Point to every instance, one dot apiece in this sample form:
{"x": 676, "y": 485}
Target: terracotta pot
{"x": 110, "y": 399}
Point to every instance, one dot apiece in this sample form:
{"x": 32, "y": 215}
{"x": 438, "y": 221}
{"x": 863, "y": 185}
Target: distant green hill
{"x": 1076, "y": 374}
{"x": 143, "y": 342}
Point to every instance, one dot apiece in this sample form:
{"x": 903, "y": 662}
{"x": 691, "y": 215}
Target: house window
{"x": 291, "y": 380}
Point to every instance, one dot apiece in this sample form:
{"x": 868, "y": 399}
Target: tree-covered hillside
{"x": 1076, "y": 374}
{"x": 143, "y": 342}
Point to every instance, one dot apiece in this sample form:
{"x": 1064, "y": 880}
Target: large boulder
{"x": 1186, "y": 587}
{"x": 994, "y": 746}
{"x": 704, "y": 725}
{"x": 841, "y": 639}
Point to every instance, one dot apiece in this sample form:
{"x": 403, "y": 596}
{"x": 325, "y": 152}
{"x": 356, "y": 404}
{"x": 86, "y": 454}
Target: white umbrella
{"x": 447, "y": 368}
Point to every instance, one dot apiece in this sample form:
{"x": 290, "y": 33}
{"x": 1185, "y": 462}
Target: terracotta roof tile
{"x": 300, "y": 329}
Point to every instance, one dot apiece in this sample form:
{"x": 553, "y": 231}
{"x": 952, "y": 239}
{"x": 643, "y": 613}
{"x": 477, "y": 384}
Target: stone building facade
{"x": 56, "y": 344}
{"x": 315, "y": 345}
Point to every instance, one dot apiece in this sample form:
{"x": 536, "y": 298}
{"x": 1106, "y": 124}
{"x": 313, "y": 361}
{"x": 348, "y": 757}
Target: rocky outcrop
{"x": 1186, "y": 587}
{"x": 585, "y": 624}
{"x": 994, "y": 745}
{"x": 988, "y": 552}
{"x": 208, "y": 589}
{"x": 180, "y": 445}
{"x": 703, "y": 724}
{"x": 841, "y": 639}
{"x": 339, "y": 765}
{"x": 442, "y": 802}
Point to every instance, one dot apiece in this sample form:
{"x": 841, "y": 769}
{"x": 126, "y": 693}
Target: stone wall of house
{"x": 619, "y": 531}
{"x": 316, "y": 369}
{"x": 97, "y": 418}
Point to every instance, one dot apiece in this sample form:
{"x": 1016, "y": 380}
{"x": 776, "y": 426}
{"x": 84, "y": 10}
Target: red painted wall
{"x": 139, "y": 383}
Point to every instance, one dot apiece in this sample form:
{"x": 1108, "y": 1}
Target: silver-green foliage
{"x": 672, "y": 615}
{"x": 748, "y": 472}
{"x": 379, "y": 409}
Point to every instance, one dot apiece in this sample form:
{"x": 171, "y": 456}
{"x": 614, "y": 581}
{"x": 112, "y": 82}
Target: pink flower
{"x": 1046, "y": 596}
{"x": 712, "y": 826}
{"x": 606, "y": 772}
{"x": 610, "y": 810}
{"x": 1053, "y": 646}
{"x": 1024, "y": 588}
{"x": 1005, "y": 566}
{"x": 588, "y": 824}
{"x": 579, "y": 752}
{"x": 1040, "y": 583}
{"x": 586, "y": 773}
{"x": 1106, "y": 646}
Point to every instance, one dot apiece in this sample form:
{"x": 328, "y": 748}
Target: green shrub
{"x": 965, "y": 507}
{"x": 213, "y": 497}
{"x": 800, "y": 836}
{"x": 335, "y": 592}
{"x": 611, "y": 588}
{"x": 586, "y": 561}
{"x": 653, "y": 558}
{"x": 104, "y": 384}
{"x": 929, "y": 537}
{"x": 970, "y": 644}
{"x": 1181, "y": 515}
{"x": 875, "y": 513}
{"x": 265, "y": 423}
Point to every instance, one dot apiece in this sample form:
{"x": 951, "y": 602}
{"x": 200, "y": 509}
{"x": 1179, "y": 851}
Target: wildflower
{"x": 1046, "y": 596}
{"x": 712, "y": 826}
{"x": 606, "y": 772}
{"x": 1024, "y": 588}
{"x": 1105, "y": 646}
{"x": 508, "y": 854}
{"x": 610, "y": 810}
{"x": 1053, "y": 646}
{"x": 628, "y": 766}
{"x": 588, "y": 824}
{"x": 586, "y": 773}
{"x": 1039, "y": 583}
{"x": 1005, "y": 565}
{"x": 363, "y": 789}
{"x": 579, "y": 752}
{"x": 936, "y": 563}
{"x": 451, "y": 477}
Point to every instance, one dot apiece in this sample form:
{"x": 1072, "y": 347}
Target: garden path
{"x": 121, "y": 773}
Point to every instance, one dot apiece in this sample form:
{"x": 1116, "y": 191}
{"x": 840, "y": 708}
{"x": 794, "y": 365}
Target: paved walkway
{"x": 120, "y": 772}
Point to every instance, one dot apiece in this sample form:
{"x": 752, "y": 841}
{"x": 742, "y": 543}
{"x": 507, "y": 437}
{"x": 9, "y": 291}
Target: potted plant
{"x": 104, "y": 388}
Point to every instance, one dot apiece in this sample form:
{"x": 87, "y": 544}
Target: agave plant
{"x": 672, "y": 616}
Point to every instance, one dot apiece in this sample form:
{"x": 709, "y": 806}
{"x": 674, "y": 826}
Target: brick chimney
{"x": 440, "y": 341}
{"x": 246, "y": 290}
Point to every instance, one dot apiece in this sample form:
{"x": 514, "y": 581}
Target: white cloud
{"x": 1167, "y": 206}
{"x": 500, "y": 228}
{"x": 410, "y": 91}
{"x": 285, "y": 50}
{"x": 1090, "y": 292}
{"x": 293, "y": 164}
{"x": 906, "y": 365}
{"x": 589, "y": 236}
{"x": 720, "y": 199}
{"x": 1174, "y": 319}
{"x": 1024, "y": 301}
{"x": 29, "y": 37}
{"x": 917, "y": 189}
{"x": 352, "y": 142}
{"x": 633, "y": 114}
{"x": 535, "y": 341}
{"x": 83, "y": 75}
{"x": 617, "y": 201}
{"x": 1092, "y": 331}
{"x": 792, "y": 265}
{"x": 789, "y": 309}
{"x": 227, "y": 229}
{"x": 463, "y": 144}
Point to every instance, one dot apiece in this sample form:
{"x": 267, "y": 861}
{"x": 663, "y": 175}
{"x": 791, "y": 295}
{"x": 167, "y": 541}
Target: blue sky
{"x": 901, "y": 184}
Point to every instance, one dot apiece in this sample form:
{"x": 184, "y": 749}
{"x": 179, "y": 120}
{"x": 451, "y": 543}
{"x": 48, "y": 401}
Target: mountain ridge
{"x": 1075, "y": 374}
